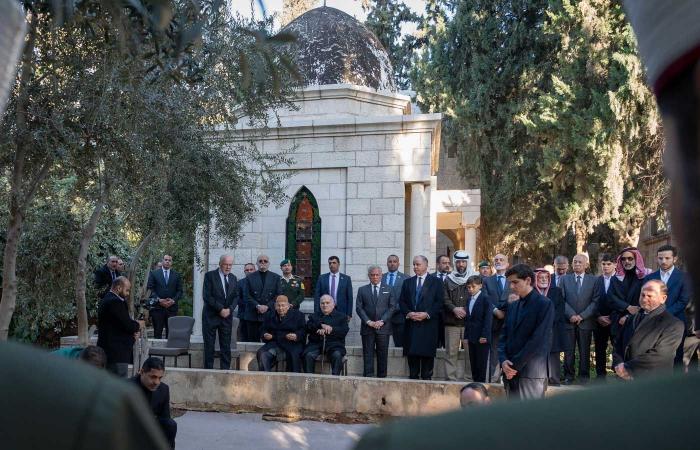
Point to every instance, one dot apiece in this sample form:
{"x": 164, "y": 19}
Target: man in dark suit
{"x": 526, "y": 337}
{"x": 581, "y": 307}
{"x": 375, "y": 306}
{"x": 678, "y": 288}
{"x": 442, "y": 271}
{"x": 157, "y": 395}
{"x": 337, "y": 285}
{"x": 326, "y": 331}
{"x": 394, "y": 279}
{"x": 601, "y": 334}
{"x": 262, "y": 289}
{"x": 625, "y": 287}
{"x": 282, "y": 332}
{"x": 561, "y": 267}
{"x": 220, "y": 295}
{"x": 477, "y": 328}
{"x": 117, "y": 332}
{"x": 105, "y": 275}
{"x": 248, "y": 268}
{"x": 648, "y": 341}
{"x": 421, "y": 302}
{"x": 165, "y": 285}
{"x": 498, "y": 290}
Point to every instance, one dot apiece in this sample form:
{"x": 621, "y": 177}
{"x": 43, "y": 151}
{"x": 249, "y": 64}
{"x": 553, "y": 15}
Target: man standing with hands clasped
{"x": 220, "y": 295}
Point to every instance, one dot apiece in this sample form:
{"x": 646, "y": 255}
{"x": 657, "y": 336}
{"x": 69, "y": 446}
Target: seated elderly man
{"x": 282, "y": 332}
{"x": 327, "y": 330}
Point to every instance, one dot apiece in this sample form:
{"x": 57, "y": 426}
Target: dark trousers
{"x": 374, "y": 343}
{"x": 479, "y": 360}
{"x": 160, "y": 316}
{"x": 582, "y": 340}
{"x": 253, "y": 330}
{"x": 525, "y": 388}
{"x": 169, "y": 427}
{"x": 601, "y": 337}
{"x": 313, "y": 351}
{"x": 270, "y": 356}
{"x": 494, "y": 363}
{"x": 554, "y": 368}
{"x": 441, "y": 332}
{"x": 678, "y": 360}
{"x": 243, "y": 328}
{"x": 397, "y": 329}
{"x": 209, "y": 332}
{"x": 119, "y": 369}
{"x": 420, "y": 366}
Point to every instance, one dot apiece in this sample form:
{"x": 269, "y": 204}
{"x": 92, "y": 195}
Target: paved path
{"x": 213, "y": 431}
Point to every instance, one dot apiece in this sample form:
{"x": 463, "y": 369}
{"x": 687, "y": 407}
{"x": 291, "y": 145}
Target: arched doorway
{"x": 303, "y": 246}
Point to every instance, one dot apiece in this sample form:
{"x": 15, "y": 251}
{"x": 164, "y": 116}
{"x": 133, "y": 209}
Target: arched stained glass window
{"x": 303, "y": 246}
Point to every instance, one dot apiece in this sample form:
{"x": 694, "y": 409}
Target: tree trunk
{"x": 135, "y": 262}
{"x": 80, "y": 275}
{"x": 581, "y": 234}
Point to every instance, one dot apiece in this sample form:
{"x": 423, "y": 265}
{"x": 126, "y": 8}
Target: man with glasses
{"x": 262, "y": 288}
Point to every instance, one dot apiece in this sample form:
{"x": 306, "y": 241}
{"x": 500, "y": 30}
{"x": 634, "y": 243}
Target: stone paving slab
{"x": 213, "y": 431}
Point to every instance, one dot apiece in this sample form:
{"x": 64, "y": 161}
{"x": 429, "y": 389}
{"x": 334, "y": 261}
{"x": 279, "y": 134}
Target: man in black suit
{"x": 282, "y": 332}
{"x": 678, "y": 288}
{"x": 394, "y": 278}
{"x": 580, "y": 307}
{"x": 248, "y": 268}
{"x": 117, "y": 331}
{"x": 337, "y": 285}
{"x": 105, "y": 275}
{"x": 602, "y": 332}
{"x": 648, "y": 341}
{"x": 157, "y": 394}
{"x": 165, "y": 285}
{"x": 421, "y": 302}
{"x": 626, "y": 285}
{"x": 326, "y": 331}
{"x": 220, "y": 295}
{"x": 376, "y": 304}
{"x": 561, "y": 267}
{"x": 443, "y": 269}
{"x": 262, "y": 287}
{"x": 498, "y": 290}
{"x": 526, "y": 337}
{"x": 477, "y": 328}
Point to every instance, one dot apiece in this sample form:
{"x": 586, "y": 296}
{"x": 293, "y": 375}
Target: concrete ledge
{"x": 319, "y": 397}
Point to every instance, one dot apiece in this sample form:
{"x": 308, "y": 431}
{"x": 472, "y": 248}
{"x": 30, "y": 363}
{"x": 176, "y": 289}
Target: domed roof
{"x": 334, "y": 48}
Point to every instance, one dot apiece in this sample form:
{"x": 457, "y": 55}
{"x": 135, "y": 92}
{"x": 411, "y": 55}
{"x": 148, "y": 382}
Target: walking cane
{"x": 323, "y": 353}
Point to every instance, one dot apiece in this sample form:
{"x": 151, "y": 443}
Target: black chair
{"x": 179, "y": 333}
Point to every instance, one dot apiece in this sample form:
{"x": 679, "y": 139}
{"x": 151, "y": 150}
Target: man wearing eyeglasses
{"x": 261, "y": 290}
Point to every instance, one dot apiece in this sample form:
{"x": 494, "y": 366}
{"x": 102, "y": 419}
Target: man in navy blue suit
{"x": 678, "y": 288}
{"x": 337, "y": 285}
{"x": 526, "y": 337}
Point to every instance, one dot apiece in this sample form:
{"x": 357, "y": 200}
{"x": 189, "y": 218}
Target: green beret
{"x": 285, "y": 261}
{"x": 484, "y": 263}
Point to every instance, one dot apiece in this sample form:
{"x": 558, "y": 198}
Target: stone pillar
{"x": 197, "y": 301}
{"x": 470, "y": 243}
{"x": 417, "y": 215}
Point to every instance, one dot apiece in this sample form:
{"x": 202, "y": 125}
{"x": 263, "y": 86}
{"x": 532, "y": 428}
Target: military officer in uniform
{"x": 291, "y": 286}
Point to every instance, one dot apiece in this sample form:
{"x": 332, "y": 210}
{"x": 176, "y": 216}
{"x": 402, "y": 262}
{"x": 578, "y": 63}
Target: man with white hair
{"x": 326, "y": 330}
{"x": 220, "y": 295}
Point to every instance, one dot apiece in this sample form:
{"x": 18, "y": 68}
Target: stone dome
{"x": 332, "y": 47}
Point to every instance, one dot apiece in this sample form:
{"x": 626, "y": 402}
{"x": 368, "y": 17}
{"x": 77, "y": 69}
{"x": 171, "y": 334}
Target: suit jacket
{"x": 650, "y": 345}
{"x": 293, "y": 322}
{"x": 334, "y": 341}
{"x": 158, "y": 400}
{"x": 454, "y": 296}
{"x": 257, "y": 294}
{"x": 399, "y": 278}
{"x": 159, "y": 289}
{"x": 678, "y": 292}
{"x": 526, "y": 338}
{"x": 343, "y": 300}
{"x": 241, "y": 297}
{"x": 420, "y": 338}
{"x": 560, "y": 335}
{"x": 116, "y": 329}
{"x": 478, "y": 323}
{"x": 498, "y": 296}
{"x": 215, "y": 299}
{"x": 584, "y": 303}
{"x": 103, "y": 279}
{"x": 383, "y": 309}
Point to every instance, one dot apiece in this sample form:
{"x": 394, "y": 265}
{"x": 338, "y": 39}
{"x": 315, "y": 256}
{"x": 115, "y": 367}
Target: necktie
{"x": 578, "y": 283}
{"x": 469, "y": 304}
{"x": 418, "y": 289}
{"x": 391, "y": 279}
{"x": 167, "y": 276}
{"x": 501, "y": 284}
{"x": 226, "y": 286}
{"x": 375, "y": 293}
{"x": 113, "y": 275}
{"x": 333, "y": 286}
{"x": 559, "y": 281}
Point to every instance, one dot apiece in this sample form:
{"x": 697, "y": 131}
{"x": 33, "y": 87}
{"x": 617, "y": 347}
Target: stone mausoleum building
{"x": 368, "y": 178}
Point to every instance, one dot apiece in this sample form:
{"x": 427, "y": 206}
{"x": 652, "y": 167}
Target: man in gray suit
{"x": 376, "y": 304}
{"x": 580, "y": 308}
{"x": 394, "y": 279}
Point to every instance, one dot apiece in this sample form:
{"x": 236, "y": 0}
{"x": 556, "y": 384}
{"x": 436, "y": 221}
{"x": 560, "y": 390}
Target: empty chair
{"x": 179, "y": 333}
